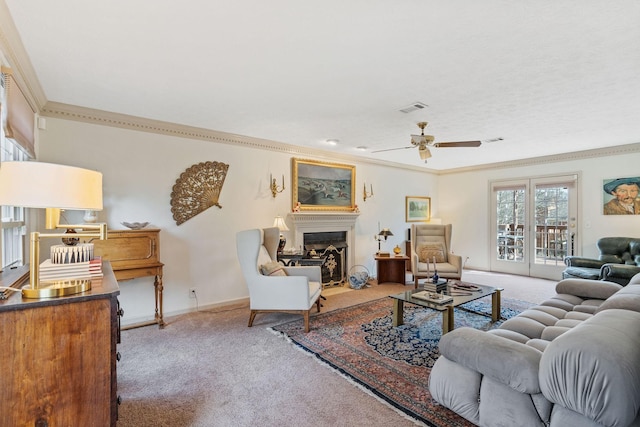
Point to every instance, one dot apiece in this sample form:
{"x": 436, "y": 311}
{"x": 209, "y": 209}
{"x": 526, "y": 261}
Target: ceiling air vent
{"x": 414, "y": 107}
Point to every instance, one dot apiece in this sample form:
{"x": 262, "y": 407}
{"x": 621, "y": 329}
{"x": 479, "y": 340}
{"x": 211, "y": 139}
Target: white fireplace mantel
{"x": 314, "y": 222}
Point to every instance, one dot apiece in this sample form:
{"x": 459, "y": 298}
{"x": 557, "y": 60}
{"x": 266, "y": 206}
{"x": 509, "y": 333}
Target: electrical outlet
{"x": 192, "y": 292}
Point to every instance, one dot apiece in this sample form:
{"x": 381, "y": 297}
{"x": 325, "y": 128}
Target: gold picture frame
{"x": 322, "y": 186}
{"x": 417, "y": 208}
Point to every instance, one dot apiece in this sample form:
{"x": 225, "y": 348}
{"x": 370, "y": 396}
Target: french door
{"x": 533, "y": 225}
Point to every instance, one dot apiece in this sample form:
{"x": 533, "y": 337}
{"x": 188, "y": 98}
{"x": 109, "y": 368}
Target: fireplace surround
{"x": 318, "y": 222}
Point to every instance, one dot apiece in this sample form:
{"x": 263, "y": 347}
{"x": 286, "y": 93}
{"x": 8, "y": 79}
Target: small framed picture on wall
{"x": 417, "y": 208}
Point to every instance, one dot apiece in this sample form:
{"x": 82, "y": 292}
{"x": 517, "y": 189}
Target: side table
{"x": 392, "y": 269}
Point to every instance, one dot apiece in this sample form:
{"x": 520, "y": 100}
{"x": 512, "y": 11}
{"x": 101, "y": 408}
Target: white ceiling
{"x": 548, "y": 76}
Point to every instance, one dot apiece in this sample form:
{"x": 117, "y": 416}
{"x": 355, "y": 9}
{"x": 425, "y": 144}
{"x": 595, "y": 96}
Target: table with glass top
{"x": 460, "y": 296}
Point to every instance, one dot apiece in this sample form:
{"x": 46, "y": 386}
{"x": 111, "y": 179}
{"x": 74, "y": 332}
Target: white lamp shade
{"x": 279, "y": 222}
{"x": 47, "y": 185}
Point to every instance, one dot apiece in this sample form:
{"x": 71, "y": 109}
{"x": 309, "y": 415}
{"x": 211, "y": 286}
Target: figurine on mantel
{"x": 297, "y": 208}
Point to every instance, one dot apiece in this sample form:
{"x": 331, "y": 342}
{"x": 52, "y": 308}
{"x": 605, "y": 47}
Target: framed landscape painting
{"x": 418, "y": 209}
{"x": 322, "y": 186}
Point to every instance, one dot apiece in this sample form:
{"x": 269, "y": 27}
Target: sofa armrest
{"x": 455, "y": 260}
{"x": 312, "y": 272}
{"x": 576, "y": 261}
{"x": 509, "y": 362}
{"x": 587, "y": 289}
{"x": 619, "y": 271}
{"x": 593, "y": 368}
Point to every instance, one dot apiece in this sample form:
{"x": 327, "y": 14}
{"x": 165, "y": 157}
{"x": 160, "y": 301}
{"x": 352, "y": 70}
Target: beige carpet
{"x": 209, "y": 369}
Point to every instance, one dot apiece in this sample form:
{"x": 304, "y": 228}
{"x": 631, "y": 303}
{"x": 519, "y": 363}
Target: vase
{"x": 70, "y": 241}
{"x": 90, "y": 216}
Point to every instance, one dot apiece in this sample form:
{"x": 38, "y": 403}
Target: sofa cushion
{"x": 488, "y": 357}
{"x": 550, "y": 333}
{"x": 538, "y": 343}
{"x": 598, "y": 289}
{"x": 627, "y": 298}
{"x": 427, "y": 252}
{"x": 582, "y": 273}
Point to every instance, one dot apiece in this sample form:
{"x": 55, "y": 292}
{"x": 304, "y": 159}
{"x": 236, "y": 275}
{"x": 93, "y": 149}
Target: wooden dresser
{"x": 60, "y": 358}
{"x": 133, "y": 254}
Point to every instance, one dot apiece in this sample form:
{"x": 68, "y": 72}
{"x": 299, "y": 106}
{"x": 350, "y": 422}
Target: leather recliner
{"x": 619, "y": 261}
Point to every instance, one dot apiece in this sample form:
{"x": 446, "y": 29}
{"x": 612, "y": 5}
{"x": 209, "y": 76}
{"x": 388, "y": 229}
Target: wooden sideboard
{"x": 61, "y": 357}
{"x": 133, "y": 254}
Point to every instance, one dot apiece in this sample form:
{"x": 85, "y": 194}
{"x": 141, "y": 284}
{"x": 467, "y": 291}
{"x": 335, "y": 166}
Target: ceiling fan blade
{"x": 458, "y": 144}
{"x": 391, "y": 149}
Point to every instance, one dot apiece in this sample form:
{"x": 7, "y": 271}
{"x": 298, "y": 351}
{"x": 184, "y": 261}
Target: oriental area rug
{"x": 391, "y": 362}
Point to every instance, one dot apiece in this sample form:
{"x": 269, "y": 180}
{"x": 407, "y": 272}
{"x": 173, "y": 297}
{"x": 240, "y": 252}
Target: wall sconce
{"x": 54, "y": 187}
{"x": 367, "y": 195}
{"x": 274, "y": 187}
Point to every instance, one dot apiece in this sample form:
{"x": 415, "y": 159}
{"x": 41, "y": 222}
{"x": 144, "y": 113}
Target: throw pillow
{"x": 427, "y": 251}
{"x": 273, "y": 268}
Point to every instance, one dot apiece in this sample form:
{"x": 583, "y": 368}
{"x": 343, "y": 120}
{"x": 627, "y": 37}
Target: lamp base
{"x": 57, "y": 288}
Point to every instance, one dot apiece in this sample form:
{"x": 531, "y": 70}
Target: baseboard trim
{"x": 234, "y": 304}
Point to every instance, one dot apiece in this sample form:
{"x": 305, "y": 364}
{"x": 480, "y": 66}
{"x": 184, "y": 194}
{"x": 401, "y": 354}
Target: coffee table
{"x": 447, "y": 308}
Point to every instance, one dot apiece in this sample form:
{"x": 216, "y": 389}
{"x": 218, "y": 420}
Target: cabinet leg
{"x": 158, "y": 291}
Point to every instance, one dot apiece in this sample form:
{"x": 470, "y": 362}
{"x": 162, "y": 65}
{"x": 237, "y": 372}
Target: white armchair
{"x": 429, "y": 241}
{"x": 274, "y": 287}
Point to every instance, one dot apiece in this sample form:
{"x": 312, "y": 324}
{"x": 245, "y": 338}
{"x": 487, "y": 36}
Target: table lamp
{"x": 53, "y": 187}
{"x": 279, "y": 222}
{"x": 384, "y": 233}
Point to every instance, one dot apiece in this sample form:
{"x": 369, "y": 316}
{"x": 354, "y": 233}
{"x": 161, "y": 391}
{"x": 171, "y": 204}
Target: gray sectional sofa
{"x": 574, "y": 360}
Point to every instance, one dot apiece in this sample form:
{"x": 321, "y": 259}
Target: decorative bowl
{"x": 135, "y": 225}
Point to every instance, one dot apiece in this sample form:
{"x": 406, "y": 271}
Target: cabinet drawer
{"x": 128, "y": 249}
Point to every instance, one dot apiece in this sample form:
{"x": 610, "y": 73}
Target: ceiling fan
{"x": 423, "y": 141}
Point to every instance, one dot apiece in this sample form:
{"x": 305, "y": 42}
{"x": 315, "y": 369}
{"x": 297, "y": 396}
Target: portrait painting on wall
{"x": 621, "y": 196}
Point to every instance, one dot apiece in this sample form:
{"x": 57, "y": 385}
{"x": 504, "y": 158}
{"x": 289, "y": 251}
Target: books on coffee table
{"x": 437, "y": 288}
{"x": 434, "y": 297}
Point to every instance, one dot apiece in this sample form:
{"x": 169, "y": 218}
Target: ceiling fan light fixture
{"x": 424, "y": 152}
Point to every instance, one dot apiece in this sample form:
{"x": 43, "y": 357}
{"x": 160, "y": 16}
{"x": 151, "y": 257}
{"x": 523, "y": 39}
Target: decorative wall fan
{"x": 423, "y": 142}
{"x": 197, "y": 189}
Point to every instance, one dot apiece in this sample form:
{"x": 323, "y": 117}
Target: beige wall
{"x": 464, "y": 201}
{"x": 140, "y": 170}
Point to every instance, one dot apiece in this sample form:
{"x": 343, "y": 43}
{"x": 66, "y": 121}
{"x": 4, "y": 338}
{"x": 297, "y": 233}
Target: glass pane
{"x": 510, "y": 214}
{"x": 552, "y": 217}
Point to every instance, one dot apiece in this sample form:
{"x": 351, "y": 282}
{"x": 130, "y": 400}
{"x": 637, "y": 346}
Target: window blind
{"x": 20, "y": 121}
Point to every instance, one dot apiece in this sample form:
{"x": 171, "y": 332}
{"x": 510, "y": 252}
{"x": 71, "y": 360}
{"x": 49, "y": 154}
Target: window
{"x": 13, "y": 231}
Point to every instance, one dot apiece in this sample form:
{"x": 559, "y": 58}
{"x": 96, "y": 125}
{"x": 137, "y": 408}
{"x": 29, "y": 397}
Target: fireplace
{"x": 332, "y": 246}
{"x": 339, "y": 227}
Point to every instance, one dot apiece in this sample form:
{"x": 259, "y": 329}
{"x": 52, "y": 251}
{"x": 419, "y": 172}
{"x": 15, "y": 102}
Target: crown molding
{"x": 18, "y": 59}
{"x": 563, "y": 157}
{"x": 105, "y": 118}
{"x": 124, "y": 121}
